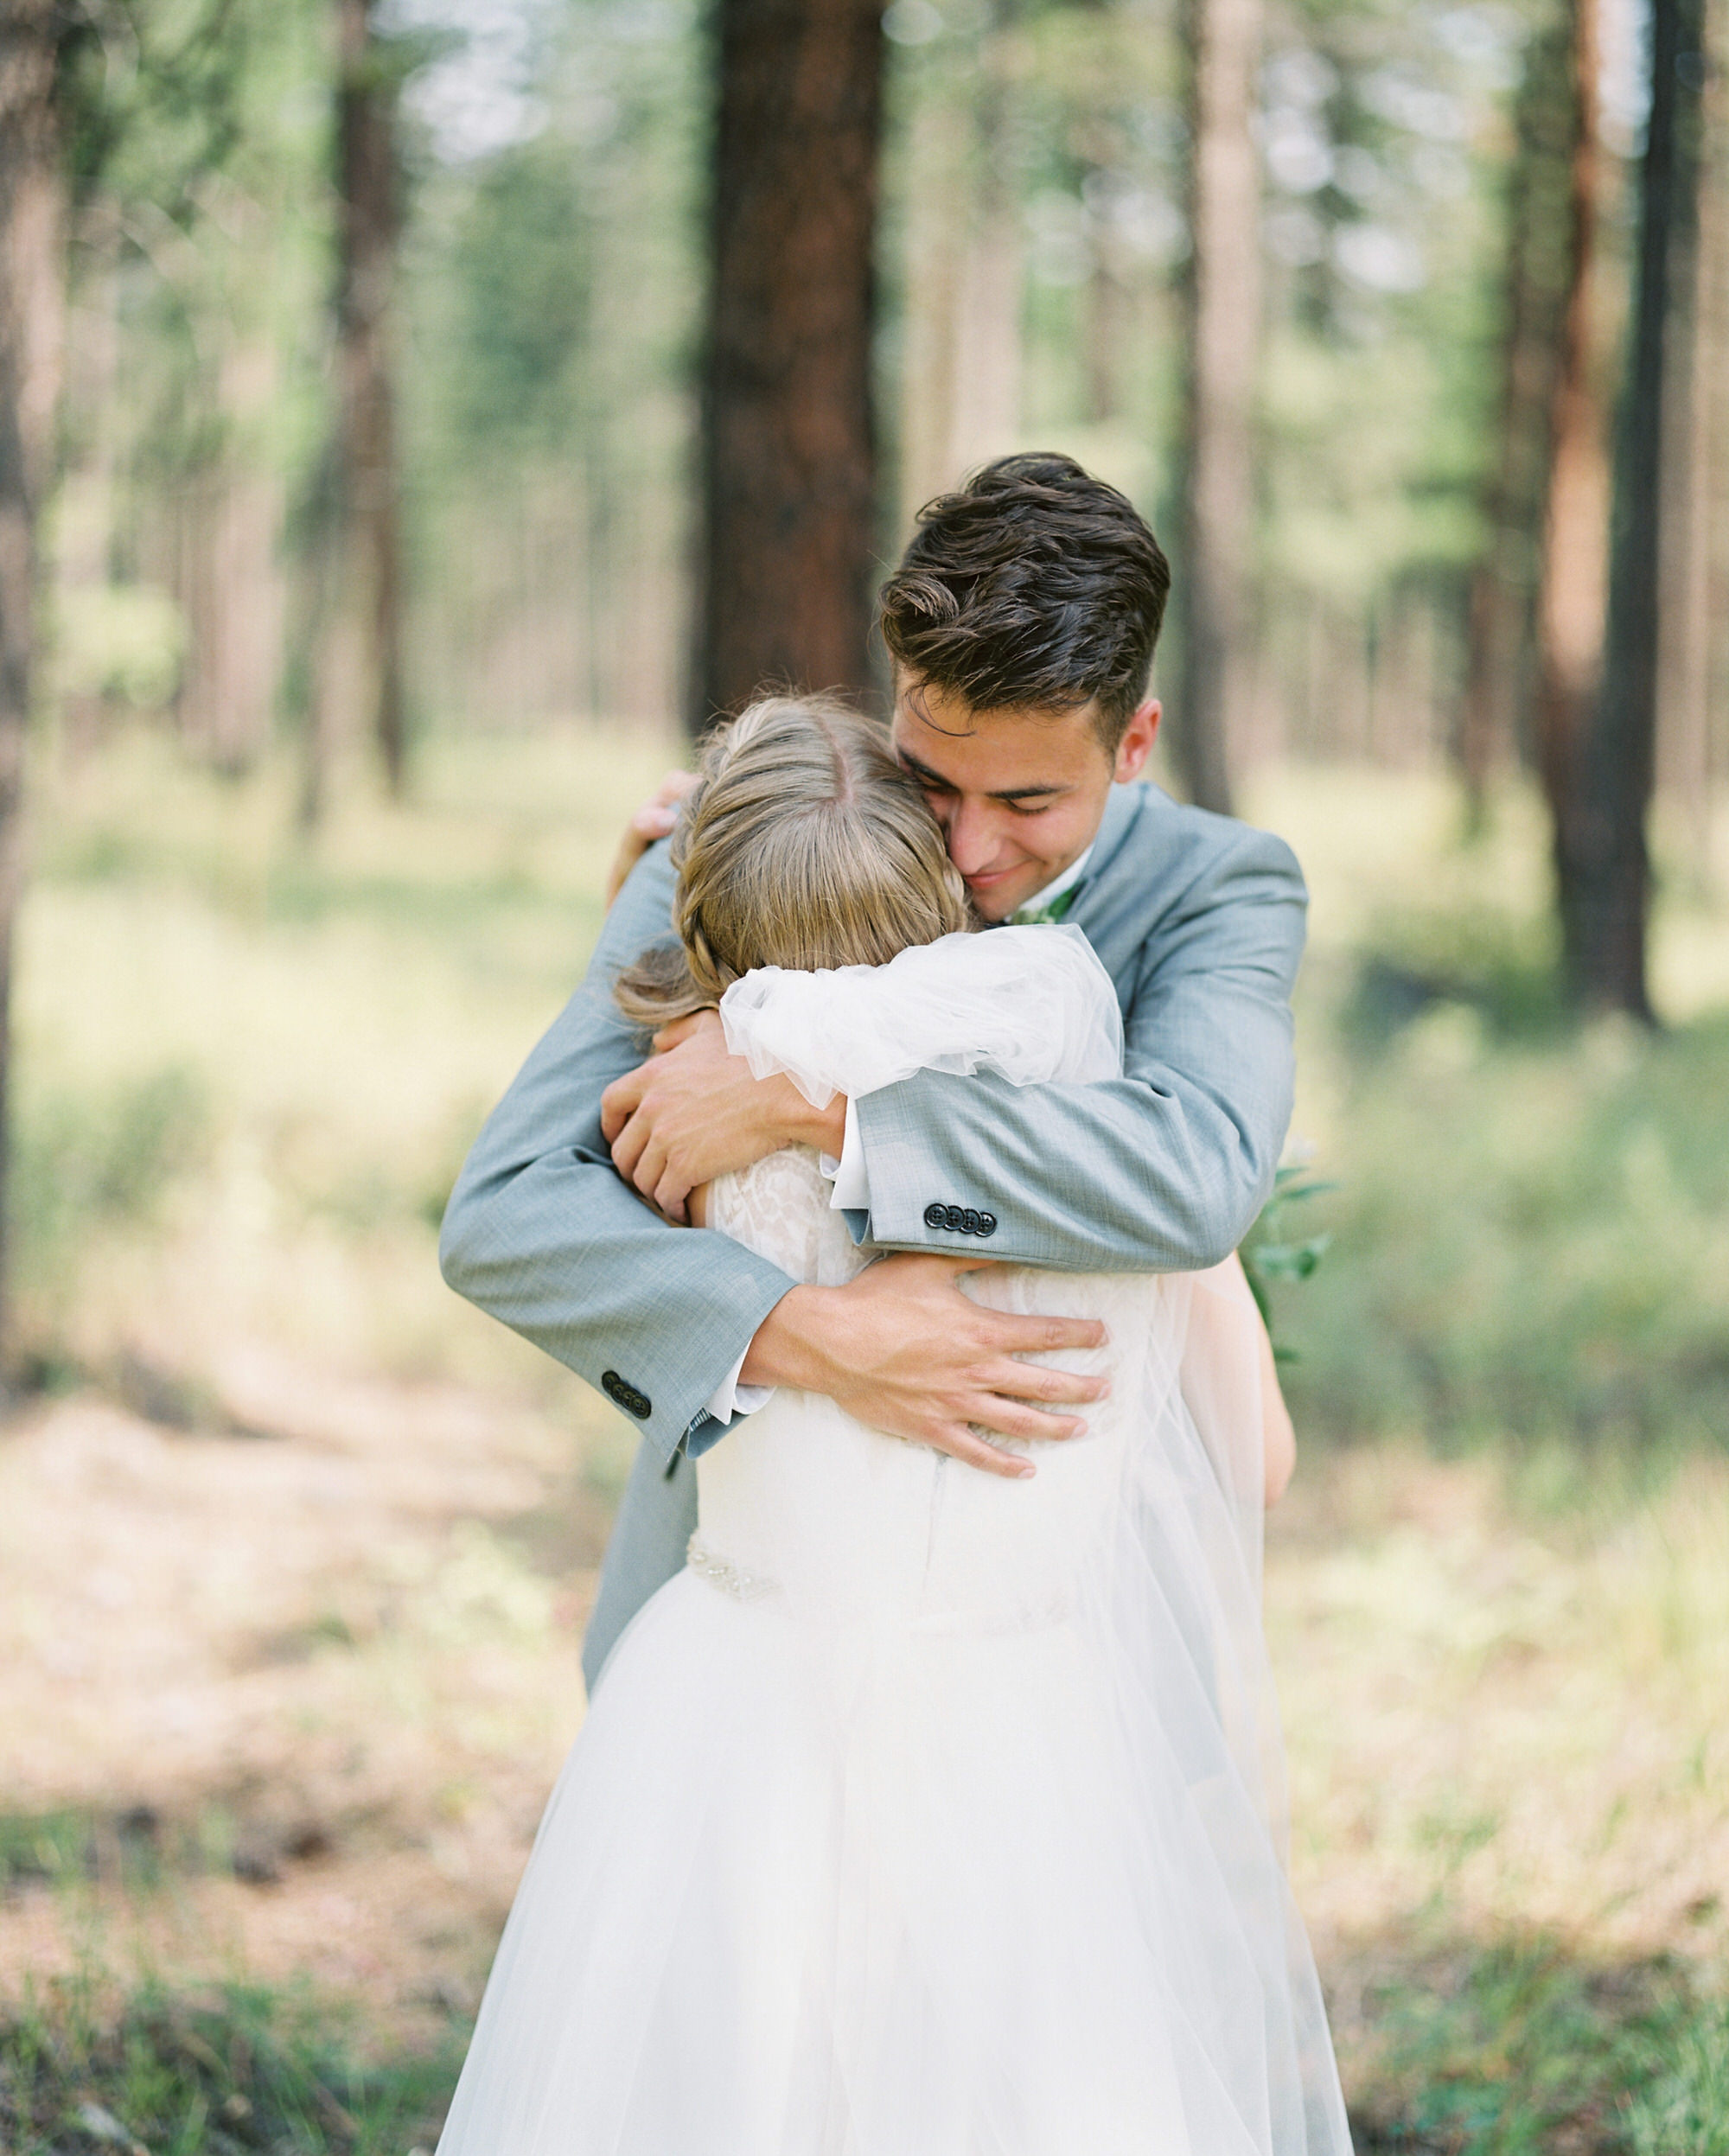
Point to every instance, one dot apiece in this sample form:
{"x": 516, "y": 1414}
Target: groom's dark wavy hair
{"x": 1035, "y": 586}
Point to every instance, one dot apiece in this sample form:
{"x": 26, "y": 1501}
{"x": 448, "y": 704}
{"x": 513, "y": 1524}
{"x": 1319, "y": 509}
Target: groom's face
{"x": 1018, "y": 793}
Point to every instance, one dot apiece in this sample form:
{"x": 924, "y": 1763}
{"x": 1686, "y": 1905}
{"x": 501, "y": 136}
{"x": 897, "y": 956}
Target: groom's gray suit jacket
{"x": 1199, "y": 922}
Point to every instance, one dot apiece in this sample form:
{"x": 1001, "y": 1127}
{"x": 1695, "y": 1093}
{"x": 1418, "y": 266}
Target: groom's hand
{"x": 902, "y": 1349}
{"x": 693, "y": 1112}
{"x": 654, "y": 819}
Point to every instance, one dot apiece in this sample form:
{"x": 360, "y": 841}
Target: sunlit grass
{"x": 249, "y": 1067}
{"x": 1531, "y": 1234}
{"x": 1526, "y": 2050}
{"x": 239, "y": 2067}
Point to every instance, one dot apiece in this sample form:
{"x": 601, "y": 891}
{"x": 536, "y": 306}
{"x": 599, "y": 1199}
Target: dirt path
{"x": 289, "y": 1700}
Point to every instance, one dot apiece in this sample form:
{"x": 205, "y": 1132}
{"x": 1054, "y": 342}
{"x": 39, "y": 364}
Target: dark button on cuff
{"x": 627, "y": 1396}
{"x": 959, "y": 1220}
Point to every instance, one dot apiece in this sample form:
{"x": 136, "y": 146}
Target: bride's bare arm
{"x": 1230, "y": 1380}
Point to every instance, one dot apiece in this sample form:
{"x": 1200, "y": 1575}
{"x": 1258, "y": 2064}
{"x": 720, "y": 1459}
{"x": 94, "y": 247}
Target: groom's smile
{"x": 1019, "y": 794}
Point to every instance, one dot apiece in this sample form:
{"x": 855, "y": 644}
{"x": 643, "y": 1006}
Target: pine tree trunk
{"x": 1694, "y": 439}
{"x": 315, "y": 547}
{"x": 1223, "y": 308}
{"x": 1499, "y": 623}
{"x": 1611, "y": 902}
{"x": 788, "y": 449}
{"x": 370, "y": 225}
{"x": 31, "y": 302}
{"x": 230, "y": 518}
{"x": 1572, "y": 595}
{"x": 960, "y": 372}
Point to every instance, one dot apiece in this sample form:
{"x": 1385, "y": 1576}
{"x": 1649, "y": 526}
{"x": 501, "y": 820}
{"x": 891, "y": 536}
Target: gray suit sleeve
{"x": 1163, "y": 1169}
{"x": 542, "y": 1233}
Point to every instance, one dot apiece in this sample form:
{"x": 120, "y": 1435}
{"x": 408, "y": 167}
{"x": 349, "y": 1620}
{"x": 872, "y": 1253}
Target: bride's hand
{"x": 903, "y": 1350}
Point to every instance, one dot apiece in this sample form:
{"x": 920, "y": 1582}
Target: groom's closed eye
{"x": 1022, "y": 800}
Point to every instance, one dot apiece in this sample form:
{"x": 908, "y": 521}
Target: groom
{"x": 1021, "y": 624}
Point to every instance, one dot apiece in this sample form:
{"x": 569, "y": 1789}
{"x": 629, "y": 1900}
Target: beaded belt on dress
{"x": 721, "y": 1572}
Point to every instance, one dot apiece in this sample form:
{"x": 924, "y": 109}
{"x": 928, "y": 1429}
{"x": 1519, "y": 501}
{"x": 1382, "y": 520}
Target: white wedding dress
{"x": 929, "y": 1812}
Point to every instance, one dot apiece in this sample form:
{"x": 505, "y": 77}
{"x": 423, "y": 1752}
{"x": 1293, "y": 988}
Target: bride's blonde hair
{"x": 805, "y": 846}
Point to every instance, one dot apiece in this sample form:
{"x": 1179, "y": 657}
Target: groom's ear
{"x": 1136, "y": 745}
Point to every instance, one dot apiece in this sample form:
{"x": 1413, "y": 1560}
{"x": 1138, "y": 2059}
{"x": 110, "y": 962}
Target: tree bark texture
{"x": 1573, "y": 593}
{"x": 1222, "y": 298}
{"x": 1501, "y": 642}
{"x": 788, "y": 458}
{"x": 32, "y": 295}
{"x": 369, "y": 186}
{"x": 229, "y": 518}
{"x": 1611, "y": 899}
{"x": 1694, "y": 477}
{"x": 315, "y": 550}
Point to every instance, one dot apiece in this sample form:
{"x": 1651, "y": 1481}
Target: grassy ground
{"x": 298, "y": 1549}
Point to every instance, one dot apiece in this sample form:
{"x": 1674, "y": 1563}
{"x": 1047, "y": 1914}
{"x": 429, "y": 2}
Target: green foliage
{"x": 1682, "y": 2107}
{"x": 554, "y": 282}
{"x": 551, "y": 293}
{"x": 1521, "y": 2049}
{"x": 1384, "y": 135}
{"x": 89, "y": 1160}
{"x": 119, "y": 643}
{"x": 42, "y": 1846}
{"x": 1416, "y": 959}
{"x": 1531, "y": 1237}
{"x": 152, "y": 98}
{"x": 240, "y": 2070}
{"x": 1270, "y": 1256}
{"x": 523, "y": 305}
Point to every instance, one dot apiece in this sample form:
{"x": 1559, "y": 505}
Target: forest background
{"x": 383, "y": 526}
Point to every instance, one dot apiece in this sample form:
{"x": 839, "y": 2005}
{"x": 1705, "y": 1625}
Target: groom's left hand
{"x": 693, "y": 1112}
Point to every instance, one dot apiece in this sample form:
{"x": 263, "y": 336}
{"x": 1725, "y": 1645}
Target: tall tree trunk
{"x": 370, "y": 228}
{"x": 1573, "y": 593}
{"x": 315, "y": 550}
{"x": 1500, "y": 620}
{"x": 789, "y": 451}
{"x": 960, "y": 376}
{"x": 1613, "y": 877}
{"x": 230, "y": 518}
{"x": 32, "y": 298}
{"x": 1223, "y": 310}
{"x": 1693, "y": 475}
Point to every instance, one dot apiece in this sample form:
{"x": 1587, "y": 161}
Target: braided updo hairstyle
{"x": 805, "y": 846}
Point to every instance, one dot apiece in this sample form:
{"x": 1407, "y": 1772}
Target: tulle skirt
{"x": 914, "y": 1887}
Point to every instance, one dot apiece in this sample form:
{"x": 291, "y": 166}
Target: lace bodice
{"x": 780, "y": 1208}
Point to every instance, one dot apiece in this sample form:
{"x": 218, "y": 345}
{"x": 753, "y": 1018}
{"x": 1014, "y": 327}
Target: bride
{"x": 926, "y": 1813}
